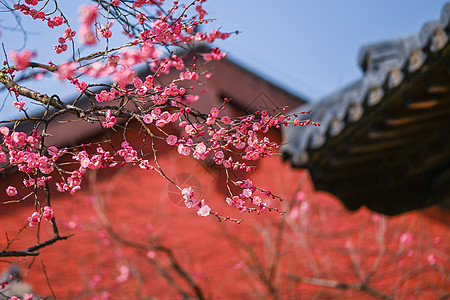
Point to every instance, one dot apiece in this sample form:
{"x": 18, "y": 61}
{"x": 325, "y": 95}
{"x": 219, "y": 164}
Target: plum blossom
{"x": 124, "y": 274}
{"x": 124, "y": 76}
{"x": 304, "y": 207}
{"x": 204, "y": 211}
{"x": 295, "y": 213}
{"x": 188, "y": 75}
{"x": 109, "y": 120}
{"x": 21, "y": 59}
{"x": 226, "y": 119}
{"x": 69, "y": 34}
{"x": 215, "y": 54}
{"x": 56, "y": 21}
{"x": 66, "y": 70}
{"x": 184, "y": 150}
{"x": 19, "y": 104}
{"x": 2, "y": 156}
{"x": 188, "y": 195}
{"x": 4, "y": 130}
{"x": 200, "y": 151}
{"x": 141, "y": 18}
{"x": 431, "y": 259}
{"x": 34, "y": 219}
{"x": 148, "y": 119}
{"x": 104, "y": 96}
{"x": 171, "y": 140}
{"x": 87, "y": 36}
{"x": 47, "y": 213}
{"x": 104, "y": 31}
{"x": 300, "y": 196}
{"x": 11, "y": 191}
{"x": 247, "y": 193}
{"x": 88, "y": 14}
{"x": 406, "y": 238}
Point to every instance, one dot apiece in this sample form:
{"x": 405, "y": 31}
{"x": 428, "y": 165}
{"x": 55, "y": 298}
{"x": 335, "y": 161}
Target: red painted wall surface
{"x": 264, "y": 257}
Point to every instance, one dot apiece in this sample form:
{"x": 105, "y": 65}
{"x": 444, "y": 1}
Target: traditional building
{"x": 384, "y": 142}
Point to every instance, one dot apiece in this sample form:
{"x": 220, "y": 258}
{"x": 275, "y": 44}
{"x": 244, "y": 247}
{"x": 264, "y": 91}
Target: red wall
{"x": 227, "y": 260}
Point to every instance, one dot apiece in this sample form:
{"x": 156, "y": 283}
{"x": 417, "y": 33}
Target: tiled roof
{"x": 403, "y": 78}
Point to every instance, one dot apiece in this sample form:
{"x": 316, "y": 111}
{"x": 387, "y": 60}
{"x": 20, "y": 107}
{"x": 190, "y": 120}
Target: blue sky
{"x": 308, "y": 47}
{"x": 311, "y": 47}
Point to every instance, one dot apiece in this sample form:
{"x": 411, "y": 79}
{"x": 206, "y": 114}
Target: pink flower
{"x": 190, "y": 130}
{"x": 214, "y": 112}
{"x": 188, "y": 75}
{"x": 200, "y": 148}
{"x": 300, "y": 196}
{"x": 227, "y": 163}
{"x": 19, "y": 105}
{"x": 104, "y": 31}
{"x": 88, "y": 14}
{"x": 19, "y": 138}
{"x": 226, "y": 120}
{"x": 171, "y": 140}
{"x": 66, "y": 70}
{"x": 69, "y": 34}
{"x": 124, "y": 274}
{"x": 87, "y": 36}
{"x": 376, "y": 218}
{"x": 141, "y": 18}
{"x": 104, "y": 96}
{"x": 304, "y": 207}
{"x": 21, "y": 59}
{"x": 4, "y": 130}
{"x": 124, "y": 77}
{"x": 145, "y": 165}
{"x": 81, "y": 86}
{"x": 247, "y": 193}
{"x": 188, "y": 195}
{"x": 34, "y": 219}
{"x": 295, "y": 213}
{"x": 201, "y": 12}
{"x": 215, "y": 54}
{"x": 2, "y": 156}
{"x": 27, "y": 296}
{"x": 204, "y": 211}
{"x": 406, "y": 238}
{"x": 11, "y": 191}
{"x": 431, "y": 259}
{"x": 219, "y": 155}
{"x": 47, "y": 213}
{"x": 109, "y": 121}
{"x": 184, "y": 150}
{"x": 147, "y": 119}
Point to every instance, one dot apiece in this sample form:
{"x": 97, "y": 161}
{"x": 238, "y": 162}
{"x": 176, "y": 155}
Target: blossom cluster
{"x": 35, "y": 218}
{"x": 190, "y": 201}
{"x": 25, "y": 153}
{"x": 231, "y": 143}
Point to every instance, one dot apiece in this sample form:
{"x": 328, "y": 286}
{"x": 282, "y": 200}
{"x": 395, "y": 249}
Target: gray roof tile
{"x": 384, "y": 66}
